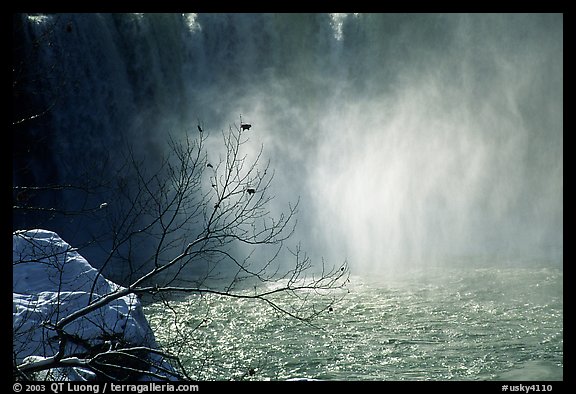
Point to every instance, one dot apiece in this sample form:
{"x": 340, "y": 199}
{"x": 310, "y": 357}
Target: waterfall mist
{"x": 411, "y": 140}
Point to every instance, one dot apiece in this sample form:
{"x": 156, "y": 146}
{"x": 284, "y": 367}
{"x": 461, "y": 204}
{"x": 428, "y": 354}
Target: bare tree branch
{"x": 196, "y": 220}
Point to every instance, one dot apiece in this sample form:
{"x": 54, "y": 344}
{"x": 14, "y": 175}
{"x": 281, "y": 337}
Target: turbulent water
{"x": 450, "y": 324}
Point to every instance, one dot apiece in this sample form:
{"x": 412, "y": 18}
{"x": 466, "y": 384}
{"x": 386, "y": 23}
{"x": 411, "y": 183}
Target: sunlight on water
{"x": 483, "y": 324}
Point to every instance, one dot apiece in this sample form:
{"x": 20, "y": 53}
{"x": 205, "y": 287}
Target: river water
{"x": 445, "y": 324}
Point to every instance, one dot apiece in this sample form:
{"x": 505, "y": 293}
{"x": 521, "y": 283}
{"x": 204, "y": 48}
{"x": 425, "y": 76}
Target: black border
{"x": 318, "y": 6}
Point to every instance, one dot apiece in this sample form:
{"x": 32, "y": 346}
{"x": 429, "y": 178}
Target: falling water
{"x": 411, "y": 139}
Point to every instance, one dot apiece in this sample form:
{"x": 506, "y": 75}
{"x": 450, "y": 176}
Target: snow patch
{"x": 51, "y": 280}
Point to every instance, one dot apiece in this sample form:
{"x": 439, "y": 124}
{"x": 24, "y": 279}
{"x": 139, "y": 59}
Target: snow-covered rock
{"x": 50, "y": 281}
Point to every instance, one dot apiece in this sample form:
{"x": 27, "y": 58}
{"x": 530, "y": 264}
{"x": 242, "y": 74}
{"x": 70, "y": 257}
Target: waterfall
{"x": 411, "y": 140}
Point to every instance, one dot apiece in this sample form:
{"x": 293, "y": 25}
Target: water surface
{"x": 457, "y": 324}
